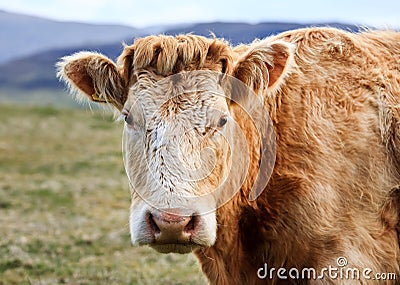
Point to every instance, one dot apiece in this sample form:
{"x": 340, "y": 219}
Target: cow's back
{"x": 354, "y": 73}
{"x": 344, "y": 94}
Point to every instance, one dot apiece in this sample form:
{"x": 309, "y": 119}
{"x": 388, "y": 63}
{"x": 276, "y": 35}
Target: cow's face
{"x": 184, "y": 152}
{"x": 177, "y": 156}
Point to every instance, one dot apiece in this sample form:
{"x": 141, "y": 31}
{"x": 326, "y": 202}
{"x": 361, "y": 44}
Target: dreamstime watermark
{"x": 339, "y": 271}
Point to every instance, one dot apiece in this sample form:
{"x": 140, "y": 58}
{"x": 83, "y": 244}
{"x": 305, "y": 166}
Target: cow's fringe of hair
{"x": 166, "y": 55}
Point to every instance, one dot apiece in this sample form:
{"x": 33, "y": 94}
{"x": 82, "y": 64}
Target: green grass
{"x": 64, "y": 204}
{"x": 37, "y": 97}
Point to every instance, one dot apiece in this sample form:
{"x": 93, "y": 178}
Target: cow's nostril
{"x": 153, "y": 225}
{"x": 190, "y": 227}
{"x": 172, "y": 227}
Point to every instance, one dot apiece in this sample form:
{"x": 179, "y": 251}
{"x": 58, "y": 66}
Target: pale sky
{"x": 142, "y": 13}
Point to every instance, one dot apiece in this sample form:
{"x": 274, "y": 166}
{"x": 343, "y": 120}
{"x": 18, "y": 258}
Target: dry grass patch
{"x": 64, "y": 204}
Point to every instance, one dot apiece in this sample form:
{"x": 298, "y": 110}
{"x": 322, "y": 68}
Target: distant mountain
{"x": 22, "y": 35}
{"x": 38, "y": 71}
{"x": 35, "y": 74}
{"x": 237, "y": 33}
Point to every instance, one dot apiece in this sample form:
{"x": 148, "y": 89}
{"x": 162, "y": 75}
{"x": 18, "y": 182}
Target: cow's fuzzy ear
{"x": 265, "y": 65}
{"x": 93, "y": 77}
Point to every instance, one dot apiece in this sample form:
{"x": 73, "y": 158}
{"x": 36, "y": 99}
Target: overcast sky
{"x": 142, "y": 13}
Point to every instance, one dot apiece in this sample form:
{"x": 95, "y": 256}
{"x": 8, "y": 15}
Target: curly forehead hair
{"x": 166, "y": 55}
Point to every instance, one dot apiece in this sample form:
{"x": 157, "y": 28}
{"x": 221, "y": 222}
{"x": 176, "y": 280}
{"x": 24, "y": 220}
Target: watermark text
{"x": 338, "y": 271}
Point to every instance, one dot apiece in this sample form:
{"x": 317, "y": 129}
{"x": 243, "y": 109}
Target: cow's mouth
{"x": 181, "y": 248}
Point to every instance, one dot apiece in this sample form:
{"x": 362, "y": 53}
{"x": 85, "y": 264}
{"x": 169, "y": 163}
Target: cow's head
{"x": 185, "y": 152}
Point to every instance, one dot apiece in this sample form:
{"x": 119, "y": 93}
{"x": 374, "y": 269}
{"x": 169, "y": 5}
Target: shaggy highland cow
{"x": 332, "y": 103}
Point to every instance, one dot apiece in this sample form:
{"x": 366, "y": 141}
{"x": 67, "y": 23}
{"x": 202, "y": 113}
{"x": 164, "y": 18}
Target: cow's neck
{"x": 250, "y": 236}
{"x": 241, "y": 245}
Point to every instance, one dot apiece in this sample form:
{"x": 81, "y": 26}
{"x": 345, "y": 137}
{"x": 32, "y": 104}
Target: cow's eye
{"x": 222, "y": 121}
{"x": 127, "y": 118}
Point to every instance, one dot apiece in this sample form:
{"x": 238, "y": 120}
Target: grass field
{"x": 64, "y": 204}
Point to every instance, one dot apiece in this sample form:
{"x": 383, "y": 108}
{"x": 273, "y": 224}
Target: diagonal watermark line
{"x": 174, "y": 144}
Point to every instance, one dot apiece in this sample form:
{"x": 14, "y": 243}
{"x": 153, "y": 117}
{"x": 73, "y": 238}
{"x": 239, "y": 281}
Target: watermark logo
{"x": 339, "y": 271}
{"x": 341, "y": 261}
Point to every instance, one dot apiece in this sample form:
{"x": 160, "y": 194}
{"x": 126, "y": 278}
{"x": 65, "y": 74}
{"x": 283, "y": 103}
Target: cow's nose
{"x": 172, "y": 226}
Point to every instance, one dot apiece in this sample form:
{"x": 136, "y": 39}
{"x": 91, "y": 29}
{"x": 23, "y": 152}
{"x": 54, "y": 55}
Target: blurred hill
{"x": 33, "y": 45}
{"x": 23, "y": 35}
{"x": 237, "y": 33}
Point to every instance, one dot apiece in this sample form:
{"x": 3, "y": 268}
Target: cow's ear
{"x": 94, "y": 77}
{"x": 265, "y": 65}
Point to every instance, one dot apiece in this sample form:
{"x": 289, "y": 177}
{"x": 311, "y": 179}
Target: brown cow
{"x": 331, "y": 204}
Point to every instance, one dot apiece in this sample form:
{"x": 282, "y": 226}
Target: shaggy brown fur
{"x": 337, "y": 126}
{"x": 334, "y": 101}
